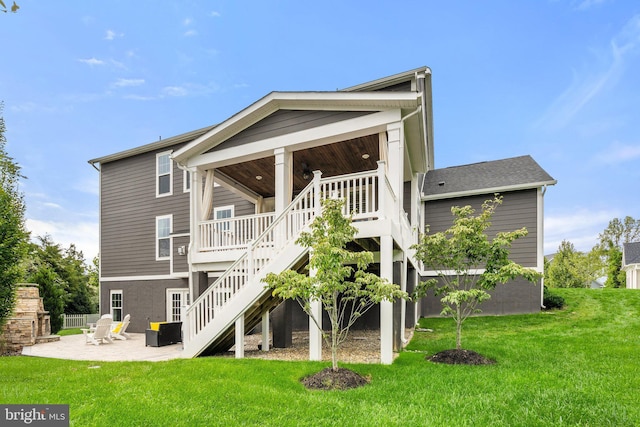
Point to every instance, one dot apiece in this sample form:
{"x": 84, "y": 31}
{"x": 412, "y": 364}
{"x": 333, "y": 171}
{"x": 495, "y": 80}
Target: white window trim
{"x": 231, "y": 208}
{"x": 186, "y": 181}
{"x": 111, "y": 293}
{"x": 158, "y": 155}
{"x": 158, "y": 257}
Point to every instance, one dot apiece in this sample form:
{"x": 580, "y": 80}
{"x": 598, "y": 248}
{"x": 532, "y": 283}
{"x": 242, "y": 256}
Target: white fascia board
{"x": 329, "y": 101}
{"x": 475, "y": 192}
{"x": 326, "y": 134}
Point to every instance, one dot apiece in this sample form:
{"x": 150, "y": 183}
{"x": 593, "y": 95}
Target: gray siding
{"x": 129, "y": 208}
{"x": 518, "y": 209}
{"x": 515, "y": 297}
{"x": 287, "y": 121}
{"x": 145, "y": 301}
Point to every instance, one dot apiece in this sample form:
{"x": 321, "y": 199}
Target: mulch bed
{"x": 460, "y": 357}
{"x": 328, "y": 379}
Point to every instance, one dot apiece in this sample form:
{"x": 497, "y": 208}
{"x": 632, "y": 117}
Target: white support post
{"x": 249, "y": 260}
{"x": 396, "y": 164}
{"x": 386, "y": 307}
{"x": 284, "y": 179}
{"x": 317, "y": 175}
{"x": 265, "y": 331}
{"x": 240, "y": 337}
{"x": 315, "y": 332}
{"x": 382, "y": 189}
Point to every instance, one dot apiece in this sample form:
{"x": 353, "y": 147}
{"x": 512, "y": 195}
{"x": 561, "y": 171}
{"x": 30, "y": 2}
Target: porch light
{"x": 259, "y": 177}
{"x": 365, "y": 156}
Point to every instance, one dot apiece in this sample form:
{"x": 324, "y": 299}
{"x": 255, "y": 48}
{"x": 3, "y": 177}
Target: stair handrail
{"x": 192, "y": 330}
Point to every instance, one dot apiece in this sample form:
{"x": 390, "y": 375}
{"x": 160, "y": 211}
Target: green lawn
{"x": 576, "y": 367}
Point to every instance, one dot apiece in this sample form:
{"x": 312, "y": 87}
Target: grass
{"x": 576, "y": 367}
{"x": 71, "y": 331}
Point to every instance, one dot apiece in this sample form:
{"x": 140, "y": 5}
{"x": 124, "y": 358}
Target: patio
{"x": 74, "y": 347}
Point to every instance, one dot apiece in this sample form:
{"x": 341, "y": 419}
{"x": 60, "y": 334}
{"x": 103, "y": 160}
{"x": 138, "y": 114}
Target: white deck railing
{"x": 232, "y": 233}
{"x": 364, "y": 198}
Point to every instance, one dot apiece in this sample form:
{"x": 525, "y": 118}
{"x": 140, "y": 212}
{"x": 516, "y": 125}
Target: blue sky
{"x": 556, "y": 79}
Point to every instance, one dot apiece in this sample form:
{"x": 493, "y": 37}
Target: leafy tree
{"x": 71, "y": 273}
{"x": 571, "y": 268}
{"x": 340, "y": 283}
{"x": 468, "y": 262}
{"x": 52, "y": 293}
{"x": 13, "y": 234}
{"x": 610, "y": 244}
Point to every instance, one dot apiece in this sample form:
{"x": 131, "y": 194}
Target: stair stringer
{"x": 242, "y": 301}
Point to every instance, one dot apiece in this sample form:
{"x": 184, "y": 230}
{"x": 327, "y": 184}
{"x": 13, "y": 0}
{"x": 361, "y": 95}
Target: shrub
{"x": 551, "y": 300}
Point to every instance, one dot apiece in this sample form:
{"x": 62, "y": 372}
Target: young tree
{"x": 13, "y": 234}
{"x": 468, "y": 262}
{"x": 340, "y": 283}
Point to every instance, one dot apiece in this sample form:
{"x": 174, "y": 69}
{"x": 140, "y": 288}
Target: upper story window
{"x": 223, "y": 212}
{"x": 163, "y": 237}
{"x": 164, "y": 174}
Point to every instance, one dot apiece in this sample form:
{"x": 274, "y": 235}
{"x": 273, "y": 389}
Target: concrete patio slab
{"x": 74, "y": 347}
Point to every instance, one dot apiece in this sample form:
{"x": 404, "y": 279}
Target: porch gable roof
{"x": 331, "y": 101}
{"x": 631, "y": 253}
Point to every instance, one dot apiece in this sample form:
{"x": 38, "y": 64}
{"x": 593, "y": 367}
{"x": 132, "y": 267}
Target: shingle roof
{"x": 499, "y": 175}
{"x": 631, "y": 253}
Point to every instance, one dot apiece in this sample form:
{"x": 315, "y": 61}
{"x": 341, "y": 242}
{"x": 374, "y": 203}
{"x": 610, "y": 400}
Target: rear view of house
{"x": 191, "y": 224}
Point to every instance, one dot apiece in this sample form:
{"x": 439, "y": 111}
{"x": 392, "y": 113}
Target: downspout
{"x": 542, "y": 193}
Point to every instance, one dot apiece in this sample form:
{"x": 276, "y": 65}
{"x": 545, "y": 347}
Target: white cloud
{"x": 128, "y": 82}
{"x": 588, "y": 4}
{"x": 140, "y": 97}
{"x": 618, "y": 153}
{"x": 82, "y": 234}
{"x": 215, "y": 14}
{"x": 92, "y": 61}
{"x": 51, "y": 205}
{"x": 175, "y": 91}
{"x": 585, "y": 87}
{"x": 190, "y": 33}
{"x": 187, "y": 21}
{"x": 580, "y": 227}
{"x": 111, "y": 35}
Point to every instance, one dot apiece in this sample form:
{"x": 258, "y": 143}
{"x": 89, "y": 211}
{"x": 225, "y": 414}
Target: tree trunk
{"x": 458, "y": 329}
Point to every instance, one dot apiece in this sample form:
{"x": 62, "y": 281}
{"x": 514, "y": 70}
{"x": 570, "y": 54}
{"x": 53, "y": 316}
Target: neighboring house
{"x": 631, "y": 264}
{"x": 191, "y": 224}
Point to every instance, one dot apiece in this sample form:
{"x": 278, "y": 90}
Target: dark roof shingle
{"x": 631, "y": 253}
{"x": 516, "y": 172}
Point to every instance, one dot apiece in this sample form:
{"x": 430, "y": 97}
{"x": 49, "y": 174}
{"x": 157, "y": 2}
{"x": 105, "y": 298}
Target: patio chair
{"x": 119, "y": 330}
{"x": 101, "y": 334}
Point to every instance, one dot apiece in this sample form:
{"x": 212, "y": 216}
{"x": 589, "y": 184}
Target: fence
{"x": 78, "y": 320}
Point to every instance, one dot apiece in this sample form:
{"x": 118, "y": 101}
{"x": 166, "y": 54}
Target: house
{"x": 190, "y": 225}
{"x": 631, "y": 264}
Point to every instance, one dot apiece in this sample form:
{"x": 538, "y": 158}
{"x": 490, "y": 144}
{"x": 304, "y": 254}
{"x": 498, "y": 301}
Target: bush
{"x": 551, "y": 300}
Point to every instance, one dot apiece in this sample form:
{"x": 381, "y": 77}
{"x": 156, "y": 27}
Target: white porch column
{"x": 395, "y": 146}
{"x": 284, "y": 179}
{"x": 386, "y": 307}
{"x": 240, "y": 337}
{"x": 265, "y": 331}
{"x": 315, "y": 332}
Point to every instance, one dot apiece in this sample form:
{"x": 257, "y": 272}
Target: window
{"x": 116, "y": 305}
{"x": 163, "y": 174}
{"x": 186, "y": 179}
{"x": 223, "y": 212}
{"x": 163, "y": 237}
